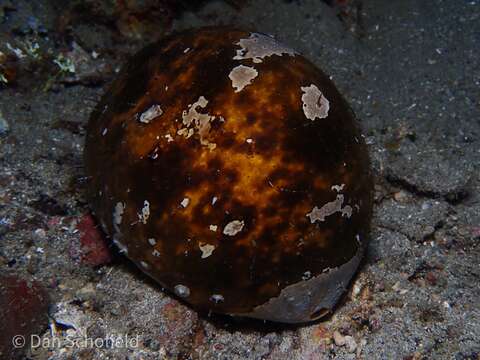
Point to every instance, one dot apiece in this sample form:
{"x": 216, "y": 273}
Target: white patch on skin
{"x": 153, "y": 112}
{"x": 196, "y": 121}
{"x": 357, "y": 237}
{"x": 181, "y": 290}
{"x": 169, "y": 138}
{"x": 144, "y": 264}
{"x": 259, "y": 46}
{"x": 213, "y": 227}
{"x": 154, "y": 155}
{"x": 185, "y": 202}
{"x": 330, "y": 208}
{"x": 206, "y": 249}
{"x": 214, "y": 200}
{"x": 185, "y": 132}
{"x": 152, "y": 241}
{"x": 338, "y": 188}
{"x": 307, "y": 275}
{"x": 217, "y": 298}
{"x": 242, "y": 76}
{"x": 117, "y": 220}
{"x": 155, "y": 253}
{"x": 315, "y": 105}
{"x": 117, "y": 216}
{"x": 104, "y": 225}
{"x": 104, "y": 131}
{"x": 249, "y": 141}
{"x": 233, "y": 227}
{"x": 186, "y": 50}
{"x": 347, "y": 211}
{"x": 123, "y": 249}
{"x": 143, "y": 217}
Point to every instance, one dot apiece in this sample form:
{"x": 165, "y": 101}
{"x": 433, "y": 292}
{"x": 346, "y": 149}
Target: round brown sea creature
{"x": 230, "y": 169}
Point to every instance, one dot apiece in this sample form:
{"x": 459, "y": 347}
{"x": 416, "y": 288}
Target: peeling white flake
{"x": 338, "y": 188}
{"x": 18, "y": 52}
{"x": 347, "y": 211}
{"x": 153, "y": 112}
{"x": 315, "y": 105}
{"x": 181, "y": 290}
{"x": 118, "y": 213}
{"x": 307, "y": 275}
{"x": 117, "y": 220}
{"x": 152, "y": 241}
{"x": 330, "y": 208}
{"x": 242, "y": 76}
{"x": 233, "y": 227}
{"x": 185, "y": 202}
{"x": 193, "y": 121}
{"x": 259, "y": 46}
{"x": 206, "y": 249}
{"x": 357, "y": 237}
{"x": 145, "y": 214}
{"x": 121, "y": 246}
{"x": 217, "y": 298}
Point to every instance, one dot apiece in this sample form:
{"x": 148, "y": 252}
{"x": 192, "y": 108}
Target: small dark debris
{"x": 72, "y": 126}
{"x": 457, "y": 197}
{"x": 49, "y": 206}
{"x": 11, "y": 263}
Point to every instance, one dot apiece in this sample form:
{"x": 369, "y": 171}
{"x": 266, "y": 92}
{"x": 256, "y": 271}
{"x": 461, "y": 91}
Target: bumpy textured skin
{"x": 246, "y": 191}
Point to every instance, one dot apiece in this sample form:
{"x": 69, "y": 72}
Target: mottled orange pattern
{"x": 238, "y": 171}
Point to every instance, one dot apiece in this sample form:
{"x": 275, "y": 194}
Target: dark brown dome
{"x": 230, "y": 169}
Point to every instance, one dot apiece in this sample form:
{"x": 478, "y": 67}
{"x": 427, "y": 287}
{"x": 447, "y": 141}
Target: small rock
{"x": 86, "y": 293}
{"x": 115, "y": 309}
{"x": 69, "y": 316}
{"x": 96, "y": 331}
{"x": 363, "y": 342}
{"x": 23, "y": 312}
{"x": 338, "y": 338}
{"x": 79, "y": 67}
{"x": 400, "y": 196}
{"x": 321, "y": 334}
{"x": 152, "y": 344}
{"x": 428, "y": 231}
{"x": 94, "y": 249}
{"x": 356, "y": 289}
{"x": 379, "y": 286}
{"x": 33, "y": 264}
{"x": 40, "y": 233}
{"x": 397, "y": 288}
{"x": 431, "y": 277}
{"x": 350, "y": 343}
